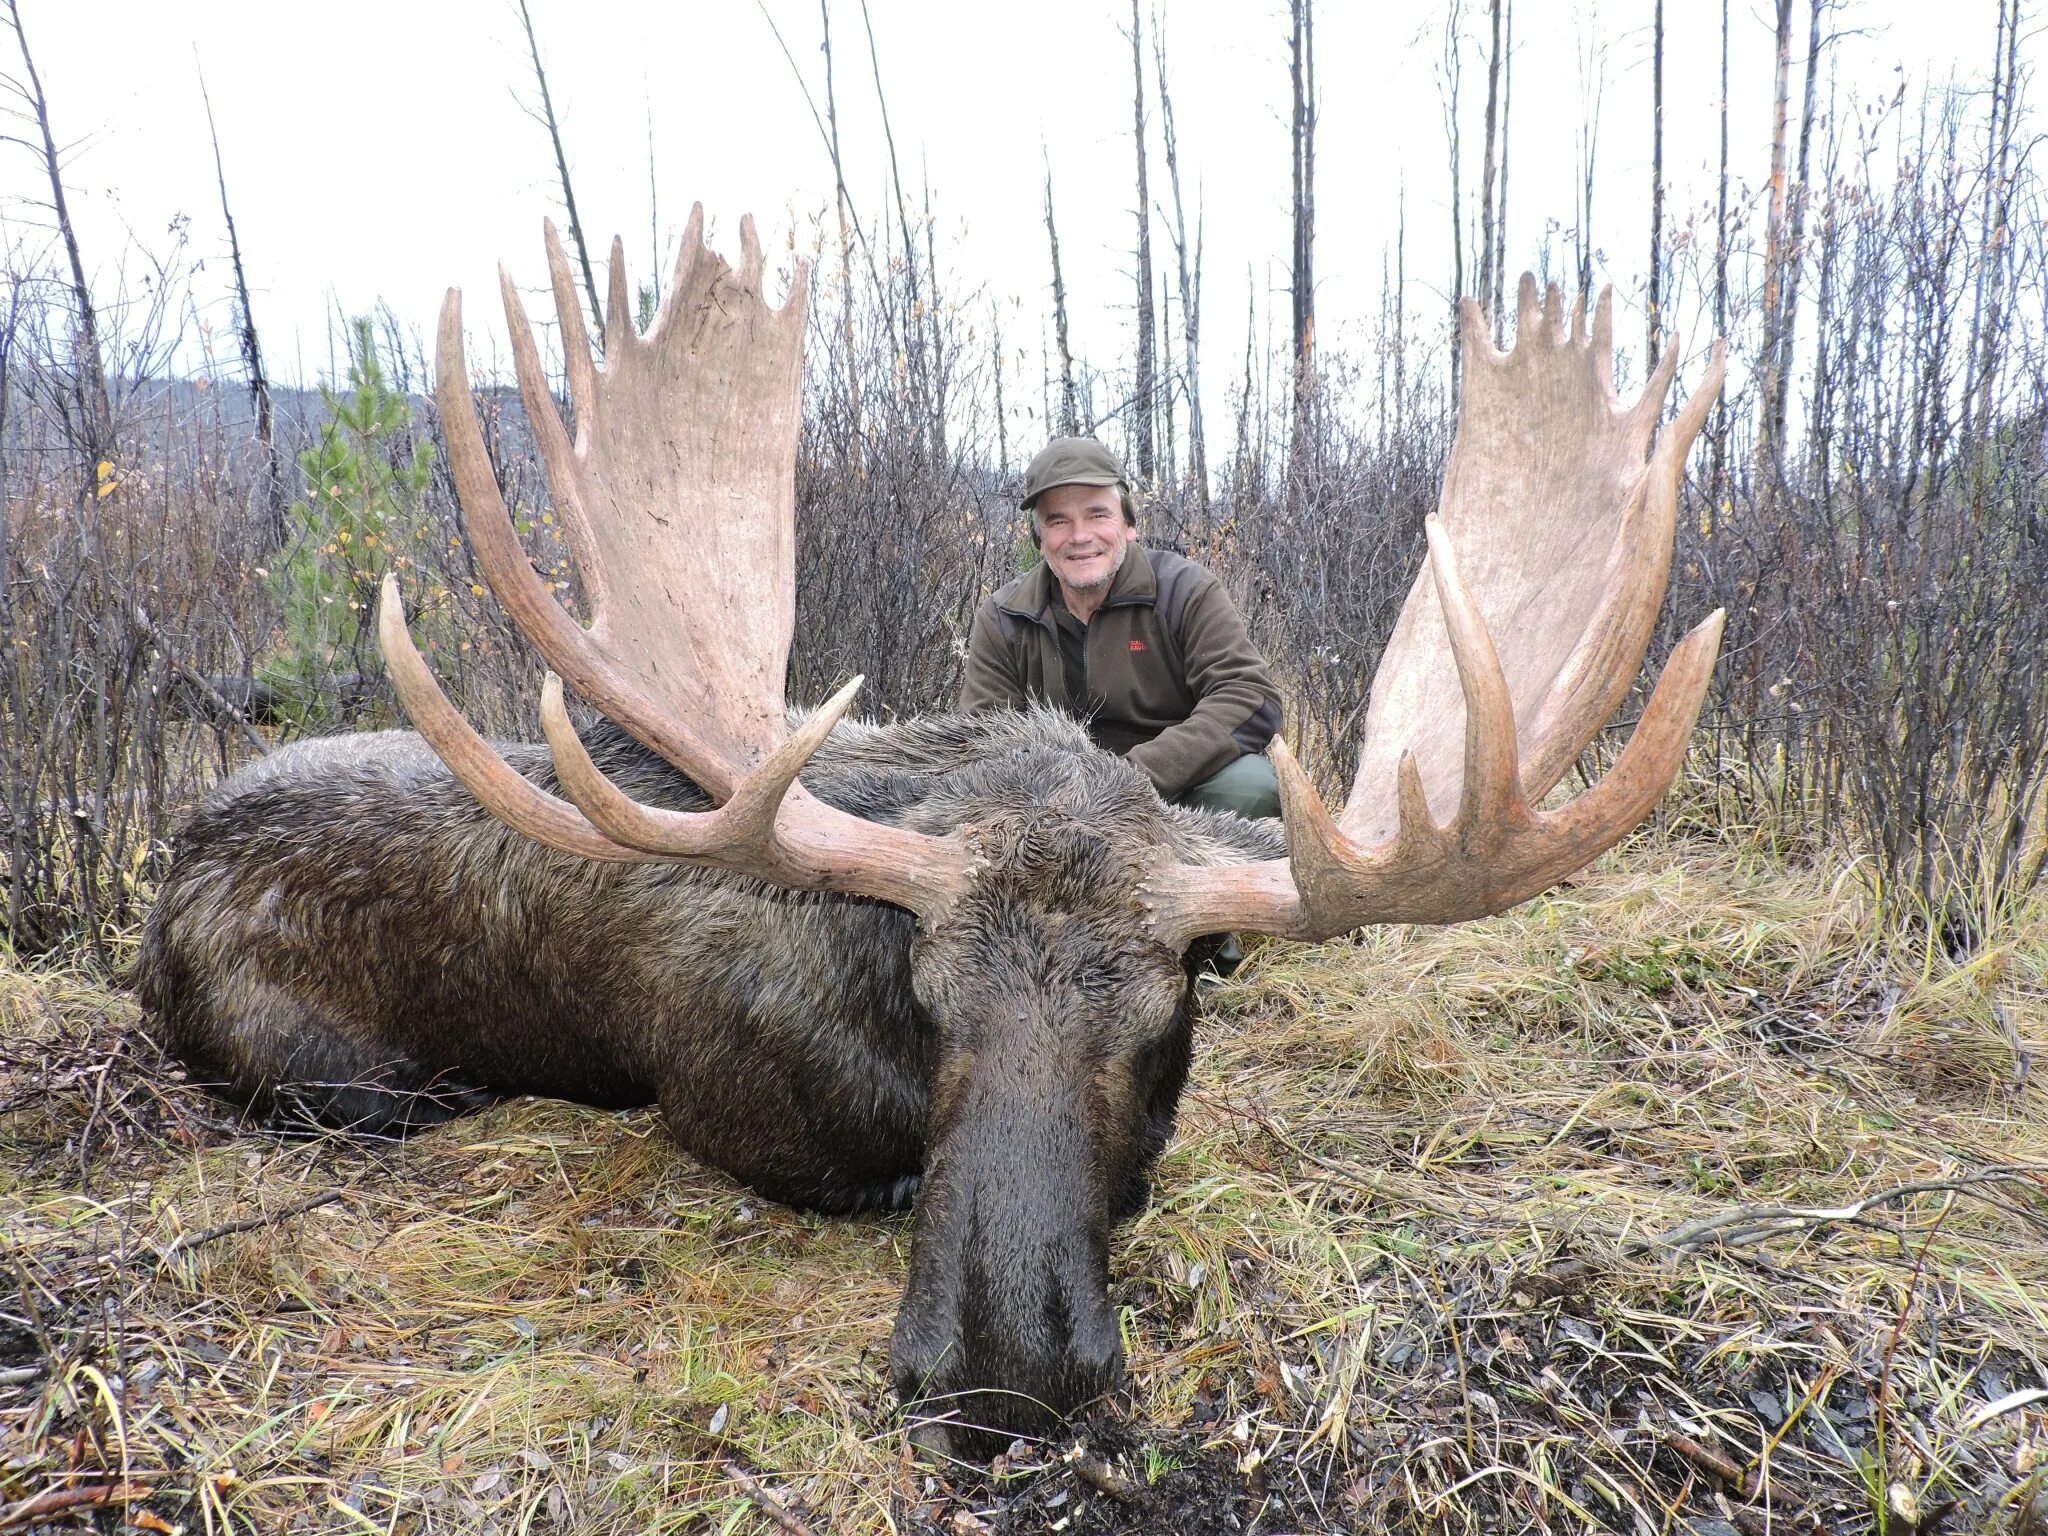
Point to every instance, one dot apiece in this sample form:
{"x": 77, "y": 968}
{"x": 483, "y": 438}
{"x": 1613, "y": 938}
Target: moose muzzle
{"x": 1006, "y": 1326}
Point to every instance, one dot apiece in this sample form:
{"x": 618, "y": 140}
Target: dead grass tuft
{"x": 1674, "y": 1198}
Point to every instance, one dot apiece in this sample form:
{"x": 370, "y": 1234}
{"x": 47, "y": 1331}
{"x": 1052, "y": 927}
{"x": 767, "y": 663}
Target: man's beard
{"x": 1116, "y": 563}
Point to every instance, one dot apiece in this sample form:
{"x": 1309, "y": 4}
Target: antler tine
{"x": 576, "y": 353}
{"x": 686, "y": 259}
{"x": 1649, "y": 405}
{"x": 557, "y": 456}
{"x": 1529, "y": 315}
{"x": 618, "y": 305}
{"x": 759, "y": 830}
{"x": 751, "y": 259}
{"x": 1492, "y": 780}
{"x": 497, "y": 786}
{"x": 1495, "y": 853}
{"x": 1428, "y": 874}
{"x": 1650, "y": 762}
{"x": 738, "y": 835}
{"x": 1601, "y": 342}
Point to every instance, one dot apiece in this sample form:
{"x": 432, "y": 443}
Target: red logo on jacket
{"x": 1137, "y": 645}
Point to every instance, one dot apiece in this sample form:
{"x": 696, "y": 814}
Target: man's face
{"x": 1082, "y": 532}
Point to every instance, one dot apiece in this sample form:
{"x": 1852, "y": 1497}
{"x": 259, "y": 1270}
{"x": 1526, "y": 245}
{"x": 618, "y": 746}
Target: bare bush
{"x": 901, "y": 529}
{"x": 1887, "y": 654}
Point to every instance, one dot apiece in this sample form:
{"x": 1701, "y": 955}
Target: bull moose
{"x": 952, "y": 966}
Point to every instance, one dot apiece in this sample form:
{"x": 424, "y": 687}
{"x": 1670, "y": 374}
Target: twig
{"x": 1457, "y": 1354}
{"x": 1101, "y": 1476}
{"x": 765, "y": 1501}
{"x": 1882, "y": 1422}
{"x": 194, "y": 680}
{"x": 1707, "y": 1459}
{"x": 191, "y": 1240}
{"x": 1744, "y": 1226}
{"x": 53, "y": 1501}
{"x": 748, "y": 1481}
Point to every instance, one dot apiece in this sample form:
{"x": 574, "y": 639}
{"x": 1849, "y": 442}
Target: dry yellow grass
{"x": 1517, "y": 1226}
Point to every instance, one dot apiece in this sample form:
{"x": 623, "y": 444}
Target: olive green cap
{"x": 1071, "y": 461}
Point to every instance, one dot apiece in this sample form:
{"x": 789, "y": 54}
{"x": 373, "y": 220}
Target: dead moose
{"x": 952, "y": 966}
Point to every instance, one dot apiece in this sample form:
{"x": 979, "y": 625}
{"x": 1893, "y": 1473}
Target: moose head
{"x": 1054, "y": 898}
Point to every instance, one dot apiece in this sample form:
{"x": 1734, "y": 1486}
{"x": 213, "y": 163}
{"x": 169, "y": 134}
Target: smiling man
{"x": 1143, "y": 645}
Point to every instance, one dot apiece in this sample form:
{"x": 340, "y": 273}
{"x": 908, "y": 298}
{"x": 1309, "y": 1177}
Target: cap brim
{"x": 1032, "y": 500}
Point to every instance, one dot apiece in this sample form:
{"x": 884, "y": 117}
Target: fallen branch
{"x": 748, "y": 1481}
{"x": 193, "y": 1240}
{"x": 201, "y": 685}
{"x": 52, "y": 1501}
{"x": 1101, "y": 1476}
{"x": 766, "y": 1502}
{"x": 1746, "y": 1226}
{"x": 1707, "y": 1459}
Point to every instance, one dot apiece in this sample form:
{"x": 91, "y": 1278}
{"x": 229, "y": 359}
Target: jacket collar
{"x": 1032, "y": 594}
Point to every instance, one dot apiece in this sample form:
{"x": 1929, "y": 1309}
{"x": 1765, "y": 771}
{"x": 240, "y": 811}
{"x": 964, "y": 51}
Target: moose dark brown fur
{"x": 953, "y": 963}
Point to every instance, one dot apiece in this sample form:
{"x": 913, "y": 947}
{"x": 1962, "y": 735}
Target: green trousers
{"x": 1246, "y": 786}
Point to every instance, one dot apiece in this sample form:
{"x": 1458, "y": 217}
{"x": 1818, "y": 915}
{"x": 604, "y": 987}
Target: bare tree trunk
{"x": 1795, "y": 233}
{"x": 1070, "y": 414}
{"x": 1190, "y": 291}
{"x": 275, "y": 531}
{"x": 1191, "y": 319}
{"x": 1247, "y": 400}
{"x": 1487, "y": 280}
{"x": 1720, "y": 435}
{"x": 848, "y": 226}
{"x": 1169, "y": 446}
{"x": 995, "y": 316}
{"x": 1656, "y": 310}
{"x": 10, "y": 330}
{"x": 1302, "y": 71}
{"x": 1400, "y": 306}
{"x": 1999, "y": 261}
{"x": 1145, "y": 387}
{"x": 1453, "y": 71}
{"x": 653, "y": 214}
{"x": 1383, "y": 359}
{"x": 1994, "y": 240}
{"x": 95, "y": 408}
{"x": 1769, "y": 452}
{"x": 554, "y": 128}
{"x": 917, "y": 299}
{"x": 1500, "y": 202}
{"x": 1592, "y": 87}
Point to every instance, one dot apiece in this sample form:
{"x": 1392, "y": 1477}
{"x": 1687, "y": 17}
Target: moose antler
{"x": 1547, "y": 563}
{"x": 678, "y": 496}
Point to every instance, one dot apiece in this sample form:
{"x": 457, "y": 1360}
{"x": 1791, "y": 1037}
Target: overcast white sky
{"x": 379, "y": 151}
